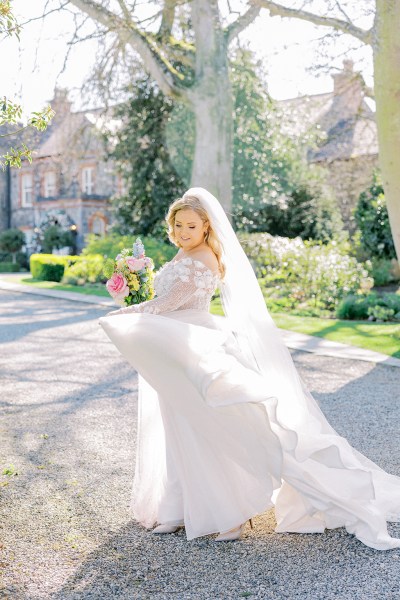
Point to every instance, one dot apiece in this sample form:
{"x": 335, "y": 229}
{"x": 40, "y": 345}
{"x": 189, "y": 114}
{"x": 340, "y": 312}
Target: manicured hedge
{"x": 50, "y": 267}
{"x": 9, "y": 267}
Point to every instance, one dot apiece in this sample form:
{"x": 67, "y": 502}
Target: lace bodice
{"x": 178, "y": 285}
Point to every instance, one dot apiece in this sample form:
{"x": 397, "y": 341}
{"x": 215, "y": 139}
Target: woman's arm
{"x": 180, "y": 293}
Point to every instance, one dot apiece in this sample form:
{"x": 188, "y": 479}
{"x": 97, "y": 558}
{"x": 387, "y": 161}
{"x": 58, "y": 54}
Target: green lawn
{"x": 380, "y": 337}
{"x": 93, "y": 290}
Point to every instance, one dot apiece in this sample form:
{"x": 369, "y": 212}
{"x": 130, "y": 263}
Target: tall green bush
{"x": 110, "y": 245}
{"x": 144, "y": 162}
{"x": 56, "y": 237}
{"x": 11, "y": 241}
{"x": 373, "y": 222}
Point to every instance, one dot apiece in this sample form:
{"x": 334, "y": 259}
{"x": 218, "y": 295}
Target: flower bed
{"x": 308, "y": 277}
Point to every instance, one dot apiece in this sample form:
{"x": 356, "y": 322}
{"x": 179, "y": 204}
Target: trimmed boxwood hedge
{"x": 9, "y": 267}
{"x": 50, "y": 267}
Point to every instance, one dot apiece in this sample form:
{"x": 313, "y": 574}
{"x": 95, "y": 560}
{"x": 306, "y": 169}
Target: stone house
{"x": 68, "y": 179}
{"x": 348, "y": 145}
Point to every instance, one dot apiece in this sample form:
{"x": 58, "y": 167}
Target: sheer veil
{"x": 304, "y": 432}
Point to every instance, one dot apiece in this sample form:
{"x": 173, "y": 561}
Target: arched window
{"x": 98, "y": 225}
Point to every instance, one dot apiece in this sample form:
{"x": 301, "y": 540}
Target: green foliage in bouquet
{"x": 131, "y": 280}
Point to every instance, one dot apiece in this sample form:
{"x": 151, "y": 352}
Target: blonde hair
{"x": 211, "y": 238}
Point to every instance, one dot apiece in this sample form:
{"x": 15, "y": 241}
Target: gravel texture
{"x": 67, "y": 441}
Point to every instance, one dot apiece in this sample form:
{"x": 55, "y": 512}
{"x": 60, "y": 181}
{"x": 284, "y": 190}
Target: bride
{"x": 227, "y": 428}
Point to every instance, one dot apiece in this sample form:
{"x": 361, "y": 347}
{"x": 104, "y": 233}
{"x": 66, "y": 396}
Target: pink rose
{"x": 117, "y": 287}
{"x": 135, "y": 264}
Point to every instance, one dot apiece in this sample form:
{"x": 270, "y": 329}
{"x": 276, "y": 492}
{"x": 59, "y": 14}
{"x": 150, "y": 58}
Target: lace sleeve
{"x": 190, "y": 278}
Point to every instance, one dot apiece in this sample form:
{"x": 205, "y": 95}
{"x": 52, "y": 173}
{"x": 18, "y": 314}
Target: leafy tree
{"x": 144, "y": 162}
{"x": 275, "y": 190}
{"x": 373, "y": 221}
{"x": 155, "y": 149}
{"x": 382, "y": 37}
{"x": 11, "y": 241}
{"x": 11, "y": 112}
{"x": 191, "y": 35}
{"x": 312, "y": 213}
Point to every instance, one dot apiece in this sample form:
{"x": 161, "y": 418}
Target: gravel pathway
{"x": 67, "y": 442}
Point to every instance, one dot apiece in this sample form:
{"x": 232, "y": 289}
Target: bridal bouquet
{"x": 130, "y": 276}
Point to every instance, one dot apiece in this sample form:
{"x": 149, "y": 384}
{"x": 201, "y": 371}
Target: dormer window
{"x": 49, "y": 184}
{"x": 88, "y": 180}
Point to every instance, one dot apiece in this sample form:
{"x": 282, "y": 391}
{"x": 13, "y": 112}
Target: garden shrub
{"x": 380, "y": 306}
{"x": 303, "y": 275}
{"x": 40, "y": 266}
{"x": 11, "y": 241}
{"x": 88, "y": 269}
{"x": 373, "y": 222}
{"x": 52, "y": 272}
{"x": 110, "y": 245}
{"x": 384, "y": 271}
{"x": 55, "y": 237}
{"x": 9, "y": 267}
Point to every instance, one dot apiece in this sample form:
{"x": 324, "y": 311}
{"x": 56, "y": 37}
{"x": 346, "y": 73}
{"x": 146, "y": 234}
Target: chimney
{"x": 60, "y": 103}
{"x": 348, "y": 89}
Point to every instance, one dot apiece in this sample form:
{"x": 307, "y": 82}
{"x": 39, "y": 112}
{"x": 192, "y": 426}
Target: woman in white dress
{"x": 226, "y": 426}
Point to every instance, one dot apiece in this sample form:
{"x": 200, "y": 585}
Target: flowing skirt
{"x": 212, "y": 452}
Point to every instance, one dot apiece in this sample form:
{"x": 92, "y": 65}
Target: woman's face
{"x": 189, "y": 228}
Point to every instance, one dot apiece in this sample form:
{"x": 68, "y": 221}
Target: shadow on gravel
{"x": 134, "y": 563}
{"x": 366, "y": 411}
{"x": 35, "y": 321}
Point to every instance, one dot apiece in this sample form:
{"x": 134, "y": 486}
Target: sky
{"x": 287, "y": 48}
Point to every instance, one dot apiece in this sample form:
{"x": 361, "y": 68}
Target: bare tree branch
{"x": 341, "y": 9}
{"x": 365, "y": 35}
{"x": 167, "y": 19}
{"x": 125, "y": 11}
{"x": 157, "y": 65}
{"x": 242, "y": 22}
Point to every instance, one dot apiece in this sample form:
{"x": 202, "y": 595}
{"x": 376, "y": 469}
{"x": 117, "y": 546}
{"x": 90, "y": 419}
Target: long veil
{"x": 304, "y": 432}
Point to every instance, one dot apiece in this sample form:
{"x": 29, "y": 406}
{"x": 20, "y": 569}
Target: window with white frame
{"x": 88, "y": 180}
{"x": 49, "y": 184}
{"x": 26, "y": 189}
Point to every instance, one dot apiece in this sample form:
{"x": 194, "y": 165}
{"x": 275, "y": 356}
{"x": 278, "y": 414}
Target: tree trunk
{"x": 212, "y": 104}
{"x": 387, "y": 96}
{"x": 212, "y": 165}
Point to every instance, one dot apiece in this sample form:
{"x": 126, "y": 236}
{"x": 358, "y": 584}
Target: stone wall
{"x": 348, "y": 178}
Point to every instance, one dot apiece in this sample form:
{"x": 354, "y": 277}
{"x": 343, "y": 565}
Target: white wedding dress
{"x": 211, "y": 449}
